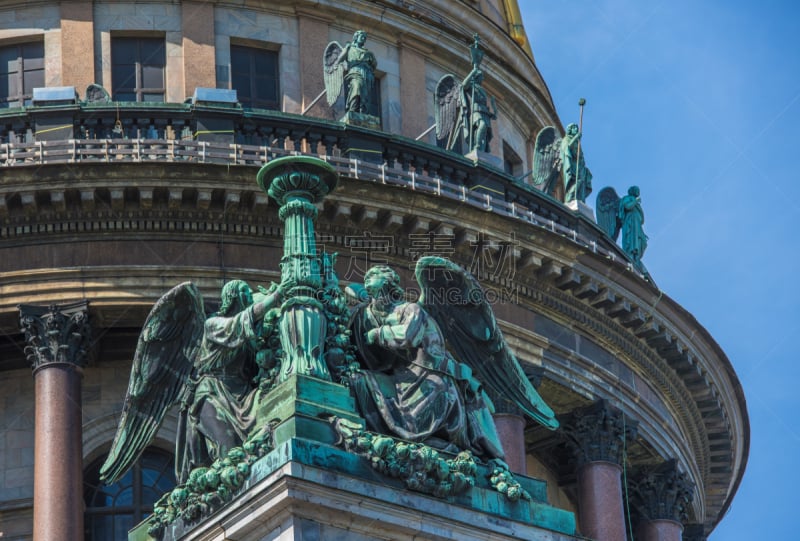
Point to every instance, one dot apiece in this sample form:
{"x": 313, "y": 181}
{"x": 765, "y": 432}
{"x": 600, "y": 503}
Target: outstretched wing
{"x": 446, "y": 105}
{"x": 333, "y": 71}
{"x": 458, "y": 303}
{"x": 607, "y": 213}
{"x": 162, "y": 363}
{"x": 546, "y": 159}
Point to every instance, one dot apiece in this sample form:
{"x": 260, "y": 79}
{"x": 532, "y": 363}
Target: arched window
{"x": 113, "y": 510}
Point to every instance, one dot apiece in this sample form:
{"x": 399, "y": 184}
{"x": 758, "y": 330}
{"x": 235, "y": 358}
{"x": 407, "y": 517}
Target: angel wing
{"x": 333, "y": 71}
{"x": 162, "y": 364}
{"x": 470, "y": 328}
{"x": 547, "y": 159}
{"x": 448, "y": 109}
{"x": 607, "y": 213}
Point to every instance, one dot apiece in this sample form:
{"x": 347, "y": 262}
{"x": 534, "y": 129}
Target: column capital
{"x": 662, "y": 492}
{"x": 56, "y": 334}
{"x": 596, "y": 433}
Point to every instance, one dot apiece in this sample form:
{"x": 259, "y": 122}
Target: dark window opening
{"x": 138, "y": 69}
{"x": 21, "y": 70}
{"x": 254, "y": 75}
{"x": 113, "y": 510}
{"x": 512, "y": 163}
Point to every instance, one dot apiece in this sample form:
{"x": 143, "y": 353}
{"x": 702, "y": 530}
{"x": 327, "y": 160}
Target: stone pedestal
{"x": 582, "y": 208}
{"x": 57, "y": 338}
{"x": 310, "y": 488}
{"x": 485, "y": 158}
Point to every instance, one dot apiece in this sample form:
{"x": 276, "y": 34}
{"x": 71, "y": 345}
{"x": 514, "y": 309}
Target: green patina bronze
{"x": 463, "y": 109}
{"x": 405, "y": 381}
{"x": 625, "y": 214}
{"x": 558, "y": 166}
{"x": 351, "y": 68}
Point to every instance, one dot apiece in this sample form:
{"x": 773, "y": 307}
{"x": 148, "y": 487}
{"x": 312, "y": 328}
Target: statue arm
{"x": 405, "y": 333}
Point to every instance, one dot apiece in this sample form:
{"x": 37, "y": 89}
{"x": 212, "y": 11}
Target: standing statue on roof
{"x": 558, "y": 165}
{"x": 351, "y": 67}
{"x": 463, "y": 109}
{"x": 625, "y": 214}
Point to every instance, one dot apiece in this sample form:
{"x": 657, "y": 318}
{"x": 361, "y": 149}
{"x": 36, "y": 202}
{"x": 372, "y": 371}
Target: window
{"x": 137, "y": 69}
{"x": 21, "y": 70}
{"x": 113, "y": 510}
{"x": 254, "y": 75}
{"x": 512, "y": 163}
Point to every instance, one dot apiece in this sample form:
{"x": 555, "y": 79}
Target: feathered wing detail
{"x": 547, "y": 159}
{"x": 333, "y": 71}
{"x": 458, "y": 303}
{"x": 447, "y": 108}
{"x": 162, "y": 364}
{"x": 607, "y": 213}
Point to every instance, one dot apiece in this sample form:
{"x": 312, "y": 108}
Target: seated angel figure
{"x": 205, "y": 364}
{"x": 412, "y": 387}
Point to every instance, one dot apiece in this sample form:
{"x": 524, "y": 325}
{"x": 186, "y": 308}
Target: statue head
{"x": 572, "y": 129}
{"x": 236, "y": 296}
{"x": 359, "y": 37}
{"x": 383, "y": 281}
{"x": 634, "y": 191}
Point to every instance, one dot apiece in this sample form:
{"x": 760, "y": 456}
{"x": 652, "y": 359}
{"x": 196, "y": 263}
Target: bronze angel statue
{"x": 207, "y": 365}
{"x": 425, "y": 366}
{"x": 625, "y": 214}
{"x": 352, "y": 68}
{"x": 558, "y": 167}
{"x": 463, "y": 109}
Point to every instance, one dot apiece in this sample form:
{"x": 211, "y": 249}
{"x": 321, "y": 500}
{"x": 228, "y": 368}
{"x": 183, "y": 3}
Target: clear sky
{"x": 698, "y": 103}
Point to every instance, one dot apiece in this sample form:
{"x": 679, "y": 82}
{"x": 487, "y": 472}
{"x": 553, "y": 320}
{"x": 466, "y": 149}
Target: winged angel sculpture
{"x": 351, "y": 67}
{"x": 462, "y": 108}
{"x": 406, "y": 381}
{"x": 615, "y": 214}
{"x": 558, "y": 168}
{"x": 410, "y": 384}
{"x": 205, "y": 364}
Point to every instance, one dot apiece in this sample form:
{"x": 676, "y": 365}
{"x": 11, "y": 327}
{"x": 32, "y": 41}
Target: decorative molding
{"x": 597, "y": 433}
{"x": 662, "y": 492}
{"x": 56, "y": 334}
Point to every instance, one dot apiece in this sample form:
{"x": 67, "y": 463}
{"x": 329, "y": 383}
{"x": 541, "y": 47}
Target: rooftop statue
{"x": 351, "y": 67}
{"x": 558, "y": 167}
{"x": 411, "y": 386}
{"x": 207, "y": 365}
{"x": 615, "y": 214}
{"x": 462, "y": 109}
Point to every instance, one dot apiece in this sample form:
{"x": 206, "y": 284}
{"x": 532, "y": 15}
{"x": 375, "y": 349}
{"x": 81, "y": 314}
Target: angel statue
{"x": 411, "y": 386}
{"x": 615, "y": 214}
{"x": 558, "y": 169}
{"x": 205, "y": 364}
{"x": 462, "y": 109}
{"x": 351, "y": 67}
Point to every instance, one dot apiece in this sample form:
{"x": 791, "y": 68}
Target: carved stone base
{"x": 485, "y": 158}
{"x": 304, "y": 491}
{"x": 582, "y": 208}
{"x": 362, "y": 119}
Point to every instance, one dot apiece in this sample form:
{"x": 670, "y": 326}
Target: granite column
{"x": 57, "y": 340}
{"x": 597, "y": 435}
{"x": 661, "y": 496}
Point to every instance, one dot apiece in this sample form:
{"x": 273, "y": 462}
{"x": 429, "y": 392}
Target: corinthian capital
{"x": 597, "y": 433}
{"x": 55, "y": 334}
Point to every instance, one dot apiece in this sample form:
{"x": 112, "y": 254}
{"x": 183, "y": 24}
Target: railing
{"x": 127, "y": 133}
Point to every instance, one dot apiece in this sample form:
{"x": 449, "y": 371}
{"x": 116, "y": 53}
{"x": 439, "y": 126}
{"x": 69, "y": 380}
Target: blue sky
{"x": 698, "y": 103}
